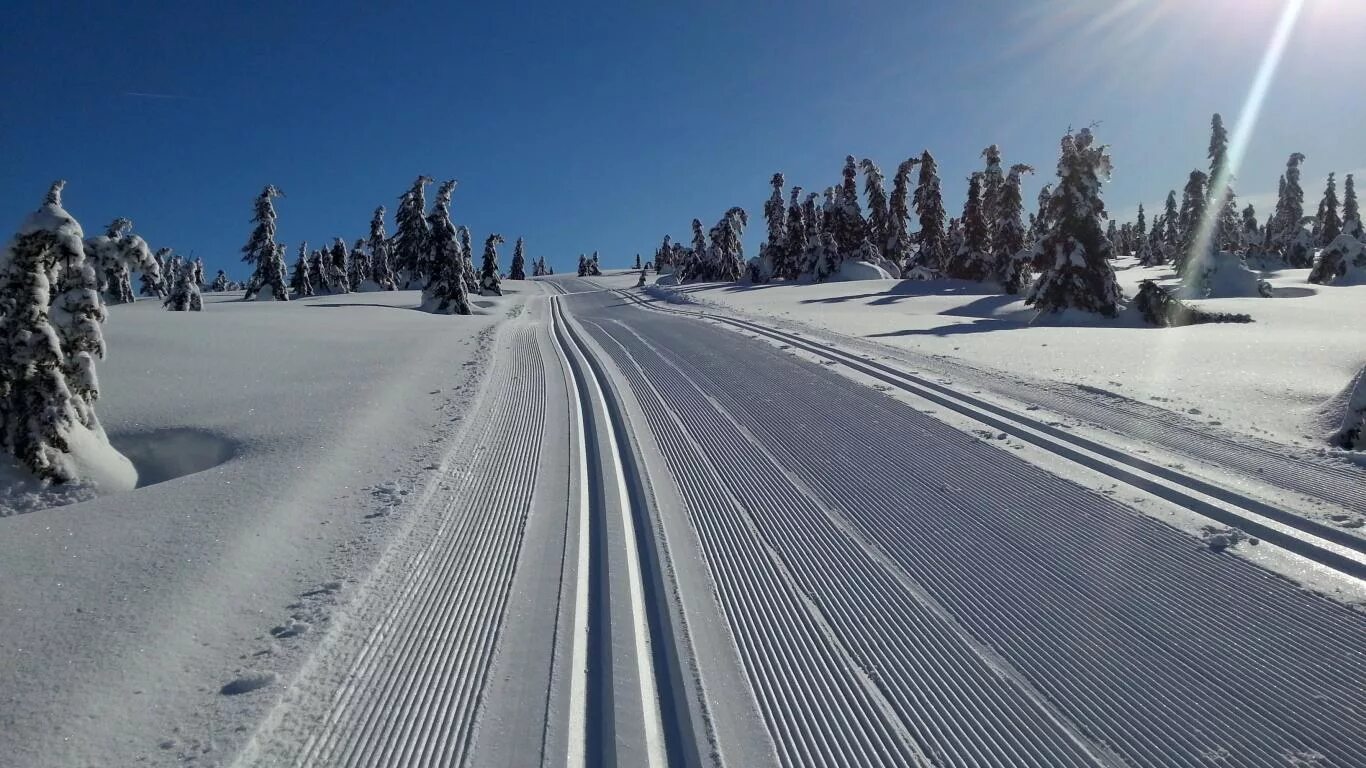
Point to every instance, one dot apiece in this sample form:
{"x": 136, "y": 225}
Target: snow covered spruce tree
{"x": 695, "y": 268}
{"x": 220, "y": 282}
{"x": 727, "y": 243}
{"x": 261, "y": 252}
{"x": 993, "y": 178}
{"x": 115, "y": 255}
{"x": 583, "y": 264}
{"x": 152, "y": 281}
{"x": 898, "y": 245}
{"x": 317, "y": 271}
{"x": 1194, "y": 249}
{"x": 773, "y": 253}
{"x": 1287, "y": 237}
{"x": 795, "y": 236}
{"x": 850, "y": 227}
{"x": 467, "y": 260}
{"x": 445, "y": 292}
{"x": 1328, "y": 224}
{"x": 334, "y": 267}
{"x": 972, "y": 260}
{"x": 1010, "y": 259}
{"x": 298, "y": 278}
{"x": 1343, "y": 261}
{"x": 197, "y": 270}
{"x": 879, "y": 225}
{"x": 929, "y": 207}
{"x": 1226, "y": 232}
{"x": 1350, "y": 209}
{"x": 382, "y": 276}
{"x": 517, "y": 271}
{"x": 49, "y": 341}
{"x": 358, "y": 267}
{"x": 1073, "y": 252}
{"x": 185, "y": 293}
{"x": 490, "y": 280}
{"x": 410, "y": 233}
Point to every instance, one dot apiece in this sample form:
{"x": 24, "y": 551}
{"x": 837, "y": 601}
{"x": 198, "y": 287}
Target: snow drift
{"x": 1344, "y": 414}
{"x": 1223, "y": 276}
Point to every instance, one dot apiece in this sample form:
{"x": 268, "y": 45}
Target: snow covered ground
{"x": 279, "y": 447}
{"x": 1270, "y": 378}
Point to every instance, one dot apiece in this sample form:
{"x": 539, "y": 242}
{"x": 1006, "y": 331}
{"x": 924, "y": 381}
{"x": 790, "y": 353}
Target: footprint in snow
{"x": 248, "y": 682}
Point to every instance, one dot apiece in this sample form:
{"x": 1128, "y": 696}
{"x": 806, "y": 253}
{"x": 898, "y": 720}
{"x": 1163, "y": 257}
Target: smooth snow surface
{"x": 851, "y": 271}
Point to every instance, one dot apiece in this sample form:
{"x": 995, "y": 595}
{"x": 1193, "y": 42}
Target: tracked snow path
{"x": 897, "y": 588}
{"x": 413, "y": 686}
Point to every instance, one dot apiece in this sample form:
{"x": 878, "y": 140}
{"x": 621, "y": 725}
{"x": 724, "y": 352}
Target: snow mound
{"x": 166, "y": 454}
{"x": 669, "y": 278}
{"x": 1343, "y": 262}
{"x": 1343, "y": 416}
{"x": 851, "y": 271}
{"x": 1223, "y": 276}
{"x": 248, "y": 682}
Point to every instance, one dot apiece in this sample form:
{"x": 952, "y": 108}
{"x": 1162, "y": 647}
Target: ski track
{"x": 412, "y": 695}
{"x": 1150, "y": 649}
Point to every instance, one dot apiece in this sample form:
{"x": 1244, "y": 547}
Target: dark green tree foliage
{"x": 152, "y": 280}
{"x": 298, "y": 279}
{"x": 879, "y": 226}
{"x": 898, "y": 246}
{"x": 1009, "y": 257}
{"x": 1141, "y": 226}
{"x": 728, "y": 246}
{"x": 1158, "y": 307}
{"x": 358, "y": 266}
{"x": 1038, "y": 221}
{"x": 794, "y": 247}
{"x": 445, "y": 292}
{"x": 1193, "y": 202}
{"x": 583, "y": 265}
{"x": 338, "y": 274}
{"x": 518, "y": 269}
{"x": 1350, "y": 209}
{"x": 1171, "y": 231}
{"x": 467, "y": 260}
{"x": 410, "y": 233}
{"x": 260, "y": 248}
{"x": 993, "y": 179}
{"x": 697, "y": 264}
{"x": 1076, "y": 256}
{"x": 775, "y": 216}
{"x": 490, "y": 277}
{"x": 929, "y": 207}
{"x": 1289, "y": 212}
{"x": 317, "y": 270}
{"x": 273, "y": 281}
{"x": 972, "y": 260}
{"x": 381, "y": 258}
{"x": 1329, "y": 222}
{"x": 1251, "y": 229}
{"x": 220, "y": 282}
{"x": 850, "y": 227}
{"x": 664, "y": 255}
{"x": 638, "y": 266}
{"x": 1227, "y": 233}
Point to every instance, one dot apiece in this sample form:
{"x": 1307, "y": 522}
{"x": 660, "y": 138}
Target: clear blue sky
{"x": 607, "y": 125}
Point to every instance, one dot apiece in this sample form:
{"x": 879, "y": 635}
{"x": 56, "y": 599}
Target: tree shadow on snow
{"x": 980, "y": 325}
{"x": 985, "y": 307}
{"x": 906, "y": 289}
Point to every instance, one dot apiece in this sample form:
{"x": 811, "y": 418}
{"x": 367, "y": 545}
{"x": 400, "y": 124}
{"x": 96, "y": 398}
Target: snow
{"x": 1343, "y": 416}
{"x": 851, "y": 271}
{"x": 1267, "y": 378}
{"x": 279, "y": 446}
{"x": 1223, "y": 277}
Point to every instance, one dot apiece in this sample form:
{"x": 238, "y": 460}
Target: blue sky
{"x": 607, "y": 125}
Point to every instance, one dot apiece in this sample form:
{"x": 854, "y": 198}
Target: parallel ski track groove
{"x": 413, "y": 693}
{"x": 1180, "y": 651}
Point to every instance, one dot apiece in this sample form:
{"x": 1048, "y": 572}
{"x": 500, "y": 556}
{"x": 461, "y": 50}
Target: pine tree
{"x": 1077, "y": 272}
{"x": 929, "y": 207}
{"x": 697, "y": 269}
{"x": 1328, "y": 221}
{"x": 1227, "y": 234}
{"x": 152, "y": 281}
{"x": 185, "y": 293}
{"x": 972, "y": 260}
{"x": 641, "y": 282}
{"x": 518, "y": 269}
{"x": 381, "y": 262}
{"x": 594, "y": 266}
{"x": 794, "y": 246}
{"x": 259, "y": 251}
{"x": 337, "y": 274}
{"x": 1141, "y": 226}
{"x": 1171, "y": 231}
{"x": 272, "y": 283}
{"x": 445, "y": 292}
{"x": 850, "y": 227}
{"x": 197, "y": 272}
{"x": 822, "y": 256}
{"x": 298, "y": 279}
{"x": 1251, "y": 229}
{"x": 318, "y": 274}
{"x": 1009, "y": 257}
{"x": 637, "y": 266}
{"x": 1289, "y": 213}
{"x": 490, "y": 281}
{"x": 879, "y": 225}
{"x": 1039, "y": 223}
{"x": 898, "y": 244}
{"x": 220, "y": 282}
{"x": 410, "y": 234}
{"x": 358, "y": 266}
{"x": 992, "y": 180}
{"x": 467, "y": 260}
{"x": 1193, "y": 202}
{"x": 583, "y": 264}
{"x": 1350, "y": 210}
{"x": 775, "y": 248}
{"x": 114, "y": 256}
{"x": 663, "y": 256}
{"x": 727, "y": 243}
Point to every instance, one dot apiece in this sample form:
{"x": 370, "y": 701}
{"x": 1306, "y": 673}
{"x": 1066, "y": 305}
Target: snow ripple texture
{"x": 414, "y": 689}
{"x": 900, "y": 589}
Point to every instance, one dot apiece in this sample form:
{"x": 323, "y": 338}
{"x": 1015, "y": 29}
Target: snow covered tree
{"x": 185, "y": 293}
{"x": 929, "y": 207}
{"x": 663, "y": 256}
{"x": 1328, "y": 223}
{"x": 337, "y": 274}
{"x": 583, "y": 264}
{"x": 259, "y": 251}
{"x": 972, "y": 260}
{"x": 445, "y": 292}
{"x": 382, "y": 277}
{"x": 1193, "y": 206}
{"x": 1252, "y": 232}
{"x": 410, "y": 249}
{"x": 357, "y": 266}
{"x": 641, "y": 282}
{"x": 1289, "y": 213}
{"x": 993, "y": 178}
{"x": 1343, "y": 262}
{"x": 850, "y": 226}
{"x": 298, "y": 279}
{"x": 197, "y": 271}
{"x": 114, "y": 256}
{"x": 467, "y": 260}
{"x": 795, "y": 236}
{"x": 774, "y": 251}
{"x": 220, "y": 282}
{"x": 697, "y": 268}
{"x": 1075, "y": 254}
{"x": 317, "y": 271}
{"x": 728, "y": 246}
{"x": 518, "y": 269}
{"x": 898, "y": 244}
{"x": 272, "y": 272}
{"x": 152, "y": 281}
{"x": 822, "y": 256}
{"x": 490, "y": 279}
{"x": 1350, "y": 210}
{"x": 879, "y": 225}
{"x": 594, "y": 265}
{"x": 1226, "y": 232}
{"x": 1171, "y": 232}
{"x": 1009, "y": 257}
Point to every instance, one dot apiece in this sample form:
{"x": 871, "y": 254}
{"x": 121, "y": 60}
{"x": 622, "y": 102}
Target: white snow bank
{"x": 851, "y": 270}
{"x": 1343, "y": 262}
{"x": 1344, "y": 415}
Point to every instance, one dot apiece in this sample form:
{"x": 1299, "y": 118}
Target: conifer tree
{"x": 1077, "y": 272}
{"x": 220, "y": 282}
{"x": 197, "y": 270}
{"x": 1350, "y": 209}
{"x": 410, "y": 234}
{"x": 318, "y": 274}
{"x": 929, "y": 207}
{"x": 273, "y": 283}
{"x": 518, "y": 269}
{"x": 114, "y": 256}
{"x": 1193, "y": 202}
{"x": 728, "y": 246}
{"x": 1289, "y": 213}
{"x": 1140, "y": 226}
{"x": 445, "y": 292}
{"x": 1171, "y": 232}
{"x": 794, "y": 246}
{"x": 993, "y": 179}
{"x": 663, "y": 256}
{"x": 594, "y": 266}
{"x": 972, "y": 260}
{"x": 152, "y": 280}
{"x": 1009, "y": 257}
{"x": 259, "y": 251}
{"x": 637, "y": 266}
{"x": 490, "y": 281}
{"x": 641, "y": 282}
{"x": 185, "y": 295}
{"x": 298, "y": 279}
{"x": 381, "y": 259}
{"x": 898, "y": 244}
{"x": 357, "y": 266}
{"x": 850, "y": 226}
{"x": 338, "y": 274}
{"x": 1227, "y": 234}
{"x": 697, "y": 269}
{"x": 775, "y": 215}
{"x": 1252, "y": 235}
{"x": 1039, "y": 220}
{"x": 879, "y": 226}
{"x": 467, "y": 260}
{"x": 583, "y": 265}
{"x": 822, "y": 257}
{"x": 1328, "y": 221}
